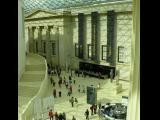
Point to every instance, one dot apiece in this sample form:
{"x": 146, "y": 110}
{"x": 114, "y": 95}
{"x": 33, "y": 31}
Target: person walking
{"x": 70, "y": 89}
{"x": 72, "y": 101}
{"x": 60, "y": 116}
{"x": 51, "y": 79}
{"x": 54, "y": 83}
{"x": 95, "y": 108}
{"x": 83, "y": 89}
{"x": 50, "y": 114}
{"x": 111, "y": 75}
{"x": 69, "y": 93}
{"x": 60, "y": 93}
{"x": 64, "y": 116}
{"x": 79, "y": 88}
{"x": 54, "y": 93}
{"x": 59, "y": 83}
{"x": 87, "y": 114}
{"x": 56, "y": 116}
{"x": 99, "y": 105}
{"x": 76, "y": 101}
{"x": 73, "y": 118}
{"x": 91, "y": 108}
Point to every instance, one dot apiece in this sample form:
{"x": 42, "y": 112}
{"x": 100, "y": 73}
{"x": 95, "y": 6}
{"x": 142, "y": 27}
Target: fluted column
{"x": 48, "y": 46}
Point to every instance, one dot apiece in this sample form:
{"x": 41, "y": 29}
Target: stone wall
{"x": 66, "y": 35}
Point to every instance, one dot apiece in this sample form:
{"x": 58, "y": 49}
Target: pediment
{"x": 40, "y": 14}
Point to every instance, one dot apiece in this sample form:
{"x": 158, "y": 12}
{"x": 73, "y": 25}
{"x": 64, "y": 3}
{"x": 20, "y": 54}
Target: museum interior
{"x": 78, "y": 60}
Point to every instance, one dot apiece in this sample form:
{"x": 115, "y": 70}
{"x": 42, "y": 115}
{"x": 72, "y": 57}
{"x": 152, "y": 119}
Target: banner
{"x": 110, "y": 36}
{"x": 94, "y": 33}
{"x": 80, "y": 34}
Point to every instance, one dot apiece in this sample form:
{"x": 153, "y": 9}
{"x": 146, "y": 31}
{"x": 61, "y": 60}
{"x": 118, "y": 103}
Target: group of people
{"x": 93, "y": 109}
{"x": 81, "y": 89}
{"x": 72, "y": 100}
{"x": 68, "y": 84}
{"x": 60, "y": 116}
{"x": 54, "y": 70}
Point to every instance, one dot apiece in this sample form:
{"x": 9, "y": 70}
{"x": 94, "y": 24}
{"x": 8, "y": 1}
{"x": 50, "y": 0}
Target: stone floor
{"x": 104, "y": 94}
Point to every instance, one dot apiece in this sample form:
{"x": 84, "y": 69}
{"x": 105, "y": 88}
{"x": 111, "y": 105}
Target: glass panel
{"x": 121, "y": 54}
{"x": 104, "y": 52}
{"x": 29, "y": 5}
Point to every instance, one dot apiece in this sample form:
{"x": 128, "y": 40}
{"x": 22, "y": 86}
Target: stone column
{"x": 31, "y": 37}
{"x": 85, "y": 55}
{"x": 48, "y": 46}
{"x": 40, "y": 50}
{"x": 57, "y": 42}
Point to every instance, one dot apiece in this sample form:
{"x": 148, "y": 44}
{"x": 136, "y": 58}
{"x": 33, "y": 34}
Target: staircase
{"x": 30, "y": 82}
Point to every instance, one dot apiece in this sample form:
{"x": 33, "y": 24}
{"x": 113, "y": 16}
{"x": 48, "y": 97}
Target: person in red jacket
{"x": 50, "y": 114}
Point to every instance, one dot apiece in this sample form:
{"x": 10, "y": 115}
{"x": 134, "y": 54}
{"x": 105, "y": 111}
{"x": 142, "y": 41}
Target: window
{"x": 44, "y": 47}
{"x": 104, "y": 52}
{"x": 120, "y": 54}
{"x": 53, "y": 48}
{"x": 76, "y": 49}
{"x": 36, "y": 47}
{"x": 89, "y": 50}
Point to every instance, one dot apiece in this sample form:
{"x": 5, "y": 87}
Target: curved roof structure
{"x": 30, "y": 5}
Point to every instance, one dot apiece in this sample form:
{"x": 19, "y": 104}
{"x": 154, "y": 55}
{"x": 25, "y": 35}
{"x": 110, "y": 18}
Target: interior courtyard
{"x": 75, "y": 45}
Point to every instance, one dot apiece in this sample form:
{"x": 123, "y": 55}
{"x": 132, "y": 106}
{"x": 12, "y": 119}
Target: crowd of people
{"x": 60, "y": 116}
{"x": 68, "y": 83}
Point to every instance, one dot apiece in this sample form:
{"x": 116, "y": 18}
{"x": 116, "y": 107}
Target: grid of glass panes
{"x": 89, "y": 50}
{"x": 104, "y": 52}
{"x": 121, "y": 54}
{"x": 29, "y": 5}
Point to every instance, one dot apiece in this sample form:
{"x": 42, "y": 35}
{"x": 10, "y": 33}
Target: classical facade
{"x": 56, "y": 35}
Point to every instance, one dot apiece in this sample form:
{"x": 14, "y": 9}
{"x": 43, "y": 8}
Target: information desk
{"x": 96, "y": 69}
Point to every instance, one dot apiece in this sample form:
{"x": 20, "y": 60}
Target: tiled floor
{"x": 104, "y": 94}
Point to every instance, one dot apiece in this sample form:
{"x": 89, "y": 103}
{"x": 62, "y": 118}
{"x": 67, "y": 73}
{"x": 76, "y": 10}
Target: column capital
{"x": 37, "y": 27}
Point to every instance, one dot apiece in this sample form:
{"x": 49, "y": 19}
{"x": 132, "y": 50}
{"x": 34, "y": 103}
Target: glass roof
{"x": 30, "y": 5}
